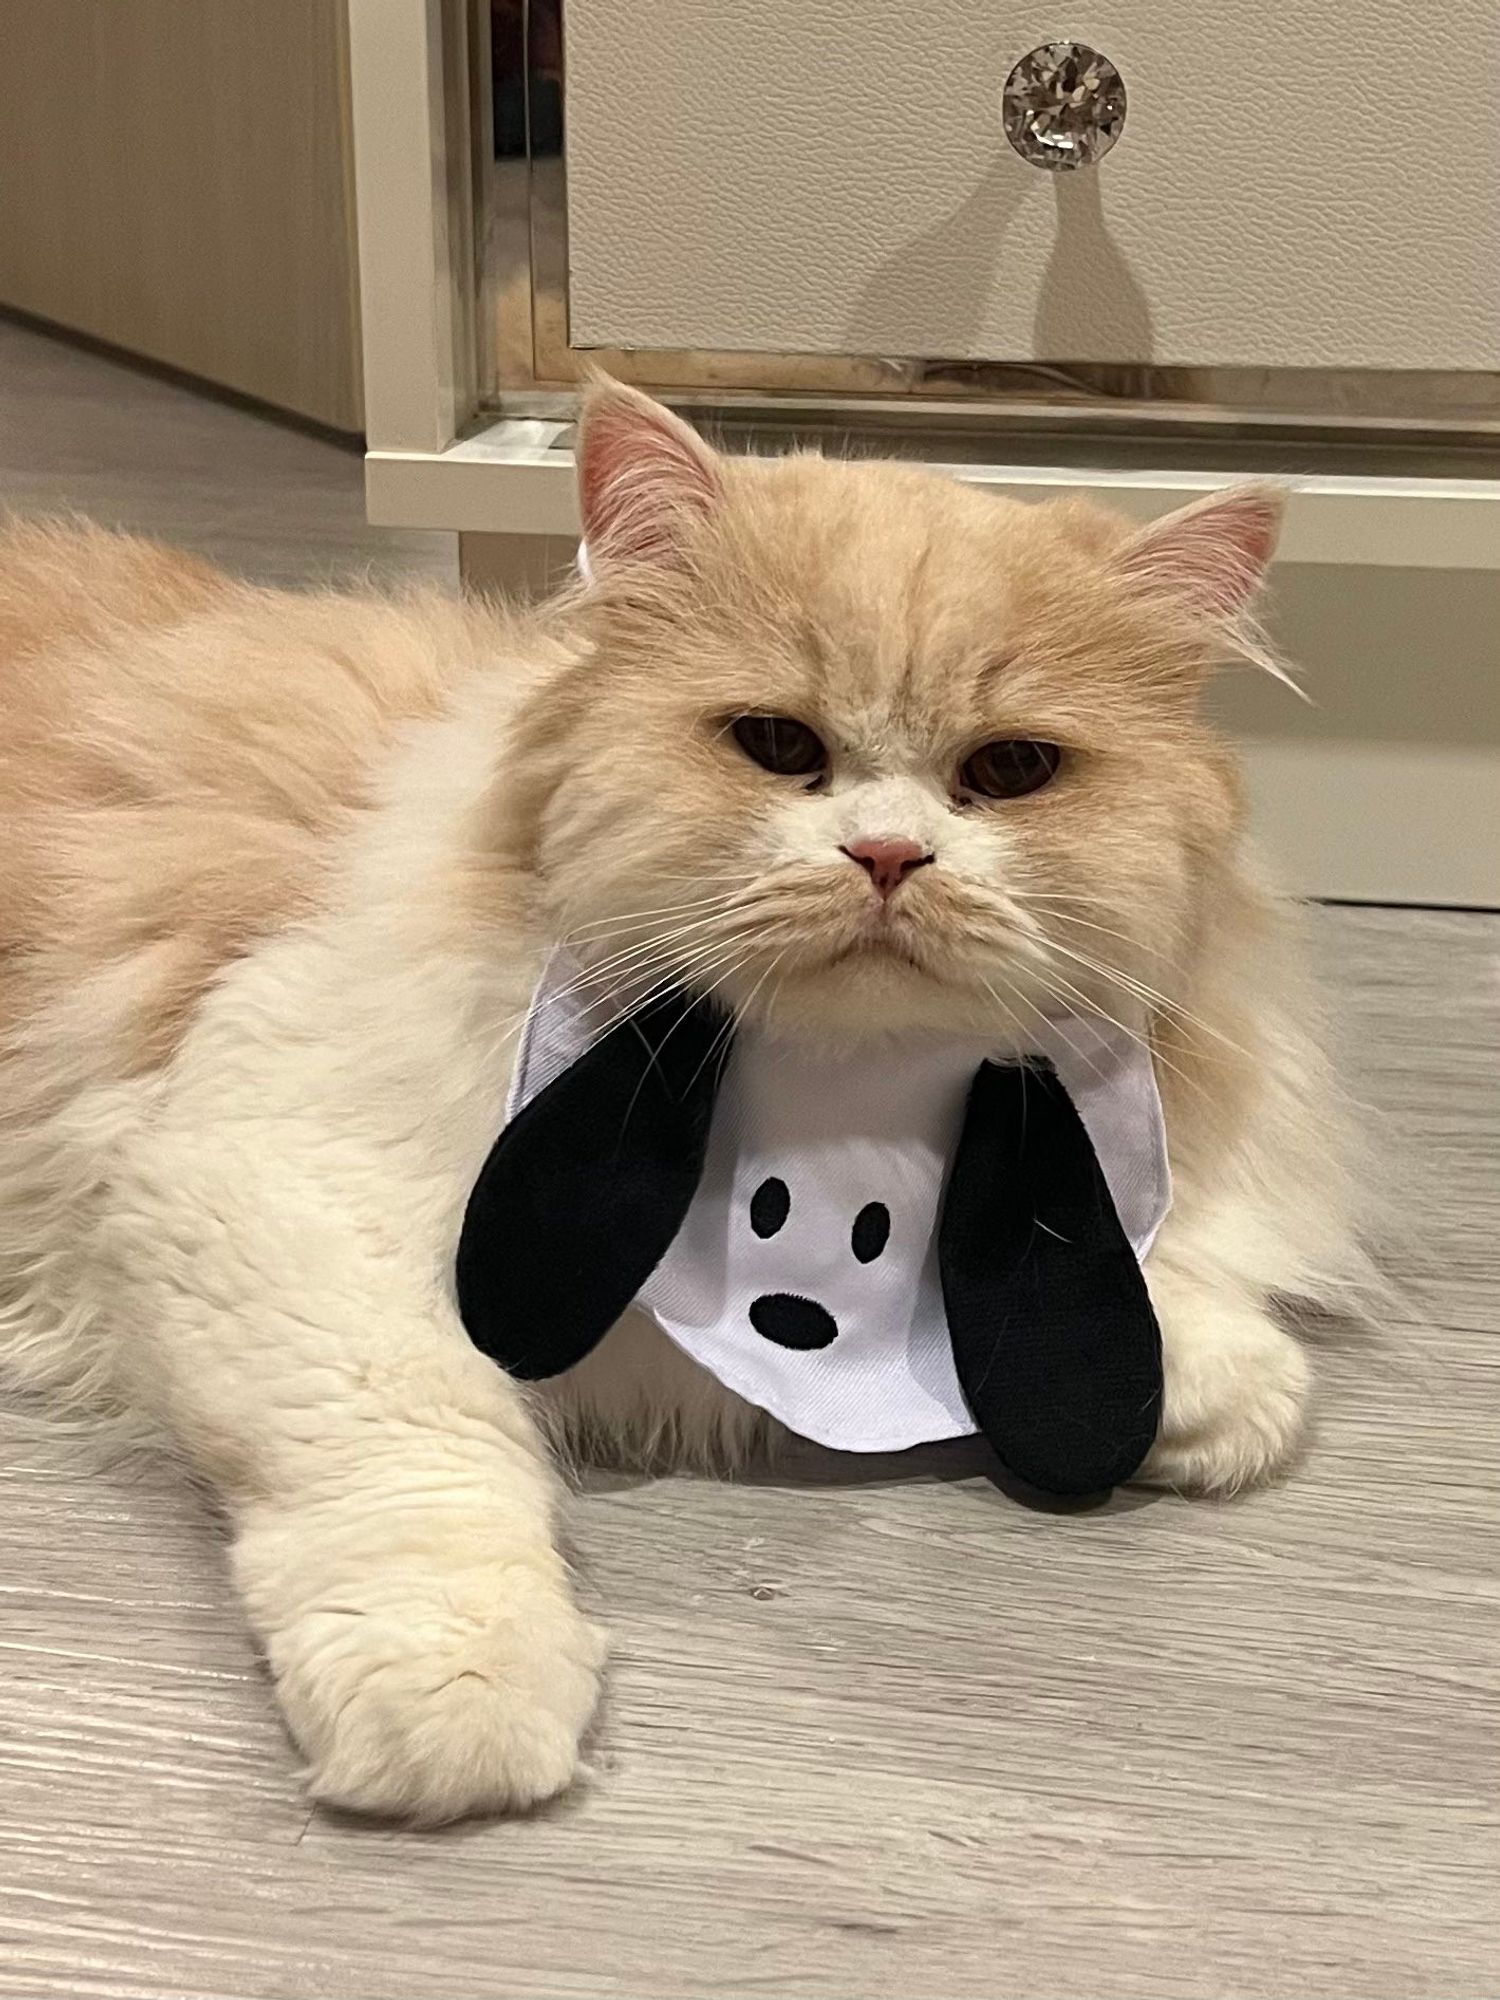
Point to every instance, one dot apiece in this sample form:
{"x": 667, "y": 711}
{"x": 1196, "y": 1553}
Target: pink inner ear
{"x": 1212, "y": 554}
{"x": 641, "y": 473}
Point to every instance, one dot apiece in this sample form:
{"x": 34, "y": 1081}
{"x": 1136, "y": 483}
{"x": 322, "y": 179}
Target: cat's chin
{"x": 862, "y": 995}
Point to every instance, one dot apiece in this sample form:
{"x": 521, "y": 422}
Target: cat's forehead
{"x": 898, "y": 534}
{"x": 885, "y": 587}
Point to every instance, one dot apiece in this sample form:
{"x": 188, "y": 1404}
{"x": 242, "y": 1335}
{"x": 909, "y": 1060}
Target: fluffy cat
{"x": 280, "y": 873}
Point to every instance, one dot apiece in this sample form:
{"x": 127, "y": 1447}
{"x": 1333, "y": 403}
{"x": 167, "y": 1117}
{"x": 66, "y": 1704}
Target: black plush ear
{"x": 585, "y": 1189}
{"x": 1054, "y": 1340}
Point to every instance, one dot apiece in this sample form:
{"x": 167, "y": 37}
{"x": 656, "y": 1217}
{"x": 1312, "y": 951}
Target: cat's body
{"x": 280, "y": 876}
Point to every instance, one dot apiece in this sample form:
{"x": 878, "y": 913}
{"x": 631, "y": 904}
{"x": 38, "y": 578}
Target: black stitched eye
{"x": 1009, "y": 768}
{"x": 770, "y": 1205}
{"x": 871, "y": 1231}
{"x": 779, "y": 743}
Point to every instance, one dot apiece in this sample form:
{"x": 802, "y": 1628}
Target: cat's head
{"x": 862, "y": 747}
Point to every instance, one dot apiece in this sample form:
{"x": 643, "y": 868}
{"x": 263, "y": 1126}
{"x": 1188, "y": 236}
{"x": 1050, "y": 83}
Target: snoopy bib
{"x": 881, "y": 1247}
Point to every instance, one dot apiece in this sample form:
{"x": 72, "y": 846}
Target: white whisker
{"x": 1147, "y": 996}
{"x": 632, "y": 919}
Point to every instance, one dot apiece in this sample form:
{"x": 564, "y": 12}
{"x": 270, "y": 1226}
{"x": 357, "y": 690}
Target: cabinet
{"x": 834, "y": 177}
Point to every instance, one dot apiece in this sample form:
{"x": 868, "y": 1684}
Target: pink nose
{"x": 887, "y": 862}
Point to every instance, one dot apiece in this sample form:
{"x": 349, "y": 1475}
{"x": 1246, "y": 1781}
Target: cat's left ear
{"x": 644, "y": 477}
{"x": 1211, "y": 556}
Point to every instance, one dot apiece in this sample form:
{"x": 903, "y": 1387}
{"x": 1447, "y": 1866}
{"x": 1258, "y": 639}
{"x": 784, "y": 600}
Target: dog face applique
{"x": 805, "y": 1274}
{"x": 787, "y": 1317}
{"x": 881, "y": 1246}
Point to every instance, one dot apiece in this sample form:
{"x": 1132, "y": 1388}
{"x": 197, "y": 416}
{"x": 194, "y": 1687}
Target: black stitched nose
{"x": 793, "y": 1322}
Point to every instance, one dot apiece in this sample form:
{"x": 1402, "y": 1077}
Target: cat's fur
{"x": 279, "y": 873}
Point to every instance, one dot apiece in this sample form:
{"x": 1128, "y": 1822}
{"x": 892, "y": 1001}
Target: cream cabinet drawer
{"x": 1292, "y": 186}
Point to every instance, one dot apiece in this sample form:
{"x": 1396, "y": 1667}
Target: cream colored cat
{"x": 279, "y": 874}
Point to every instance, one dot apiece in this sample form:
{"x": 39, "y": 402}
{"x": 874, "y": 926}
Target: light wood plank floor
{"x": 873, "y": 1728}
{"x": 84, "y": 434}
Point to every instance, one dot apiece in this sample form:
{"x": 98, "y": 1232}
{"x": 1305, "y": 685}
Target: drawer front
{"x": 833, "y": 177}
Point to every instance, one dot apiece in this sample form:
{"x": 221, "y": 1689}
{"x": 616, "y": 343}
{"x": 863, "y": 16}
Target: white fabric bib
{"x": 817, "y": 1214}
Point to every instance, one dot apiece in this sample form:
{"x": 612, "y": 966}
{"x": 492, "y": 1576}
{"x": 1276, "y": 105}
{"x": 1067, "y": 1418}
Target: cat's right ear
{"x": 643, "y": 477}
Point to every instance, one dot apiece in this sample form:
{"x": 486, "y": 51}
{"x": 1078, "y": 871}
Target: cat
{"x": 280, "y": 875}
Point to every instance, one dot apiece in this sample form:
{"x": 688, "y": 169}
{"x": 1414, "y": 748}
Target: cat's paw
{"x": 442, "y": 1699}
{"x": 1235, "y": 1397}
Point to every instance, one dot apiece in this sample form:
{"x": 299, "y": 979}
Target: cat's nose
{"x": 887, "y": 862}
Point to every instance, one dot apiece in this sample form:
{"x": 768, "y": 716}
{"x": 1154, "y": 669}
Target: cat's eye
{"x": 780, "y": 744}
{"x": 1009, "y": 768}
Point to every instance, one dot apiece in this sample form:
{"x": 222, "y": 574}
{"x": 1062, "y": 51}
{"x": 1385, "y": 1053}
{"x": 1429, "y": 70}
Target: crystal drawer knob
{"x": 1063, "y": 106}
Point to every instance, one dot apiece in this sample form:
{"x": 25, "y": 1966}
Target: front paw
{"x": 1235, "y": 1397}
{"x": 434, "y": 1698}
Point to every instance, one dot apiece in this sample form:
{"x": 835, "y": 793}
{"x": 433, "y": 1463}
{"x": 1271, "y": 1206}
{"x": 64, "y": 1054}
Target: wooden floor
{"x": 83, "y": 434}
{"x": 874, "y": 1731}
